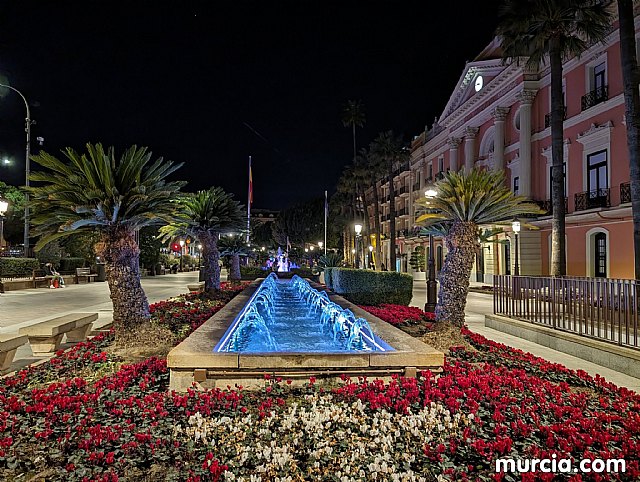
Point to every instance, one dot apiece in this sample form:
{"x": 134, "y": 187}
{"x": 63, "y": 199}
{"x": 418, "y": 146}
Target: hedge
{"x": 253, "y": 272}
{"x": 69, "y": 265}
{"x": 18, "y": 267}
{"x": 372, "y": 288}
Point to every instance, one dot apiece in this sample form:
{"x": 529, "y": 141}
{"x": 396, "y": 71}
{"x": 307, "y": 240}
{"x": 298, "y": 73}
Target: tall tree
{"x": 353, "y": 115}
{"x": 348, "y": 188}
{"x": 391, "y": 151}
{"x": 205, "y": 215}
{"x": 375, "y": 169}
{"x": 464, "y": 203}
{"x": 361, "y": 171}
{"x": 234, "y": 246}
{"x": 559, "y": 30}
{"x": 97, "y": 191}
{"x": 631, "y": 79}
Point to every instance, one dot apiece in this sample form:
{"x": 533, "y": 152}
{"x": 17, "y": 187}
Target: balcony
{"x": 547, "y": 117}
{"x": 598, "y": 198}
{"x": 547, "y": 205}
{"x": 439, "y": 175}
{"x": 403, "y": 191}
{"x": 595, "y": 97}
{"x": 416, "y": 186}
{"x": 625, "y": 192}
{"x": 402, "y": 233}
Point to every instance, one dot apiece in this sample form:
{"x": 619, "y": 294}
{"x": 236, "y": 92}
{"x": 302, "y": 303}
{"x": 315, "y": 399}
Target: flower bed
{"x": 123, "y": 424}
{"x": 399, "y": 315}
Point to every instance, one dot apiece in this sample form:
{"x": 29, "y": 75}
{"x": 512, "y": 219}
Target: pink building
{"x": 498, "y": 117}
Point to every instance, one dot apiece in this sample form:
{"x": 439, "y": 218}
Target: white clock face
{"x": 479, "y": 83}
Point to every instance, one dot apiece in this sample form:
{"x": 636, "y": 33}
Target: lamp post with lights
{"x": 432, "y": 285}
{"x": 515, "y": 225}
{"x": 4, "y": 205}
{"x": 358, "y": 229}
{"x": 27, "y": 129}
{"x": 181, "y": 253}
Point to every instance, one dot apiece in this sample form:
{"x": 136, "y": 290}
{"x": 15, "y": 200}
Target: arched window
{"x": 487, "y": 145}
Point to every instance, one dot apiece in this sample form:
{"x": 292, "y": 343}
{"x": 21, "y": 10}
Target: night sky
{"x": 186, "y": 78}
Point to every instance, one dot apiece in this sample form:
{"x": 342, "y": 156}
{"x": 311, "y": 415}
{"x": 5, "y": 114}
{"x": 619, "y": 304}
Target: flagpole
{"x": 249, "y": 201}
{"x": 326, "y": 210}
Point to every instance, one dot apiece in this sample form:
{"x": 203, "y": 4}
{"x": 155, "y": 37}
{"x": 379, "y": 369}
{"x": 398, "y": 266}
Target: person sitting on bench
{"x": 57, "y": 281}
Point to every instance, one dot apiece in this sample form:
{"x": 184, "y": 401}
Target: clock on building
{"x": 479, "y": 83}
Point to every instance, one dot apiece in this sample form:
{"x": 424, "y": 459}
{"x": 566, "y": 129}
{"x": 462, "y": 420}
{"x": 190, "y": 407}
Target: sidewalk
{"x": 479, "y": 304}
{"x": 26, "y": 307}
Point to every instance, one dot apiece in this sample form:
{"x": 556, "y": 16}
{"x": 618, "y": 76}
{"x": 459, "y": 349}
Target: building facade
{"x": 497, "y": 117}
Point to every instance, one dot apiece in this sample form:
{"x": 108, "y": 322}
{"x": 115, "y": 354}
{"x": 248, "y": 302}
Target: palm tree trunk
{"x": 366, "y": 236}
{"x": 631, "y": 77}
{"x": 122, "y": 269}
{"x": 210, "y": 259}
{"x": 234, "y": 274}
{"x": 376, "y": 223}
{"x": 353, "y": 125}
{"x": 558, "y": 248}
{"x": 461, "y": 243}
{"x": 392, "y": 221}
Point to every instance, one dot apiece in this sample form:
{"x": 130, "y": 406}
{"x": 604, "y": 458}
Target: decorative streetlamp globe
{"x": 358, "y": 228}
{"x": 515, "y": 225}
{"x": 4, "y": 205}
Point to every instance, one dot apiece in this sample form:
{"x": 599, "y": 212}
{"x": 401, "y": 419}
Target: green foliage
{"x": 252, "y": 272}
{"x": 366, "y": 287}
{"x": 417, "y": 260}
{"x": 50, "y": 253}
{"x": 98, "y": 191}
{"x": 150, "y": 245}
{"x": 82, "y": 245}
{"x": 330, "y": 260}
{"x": 168, "y": 260}
{"x": 261, "y": 234}
{"x": 328, "y": 277}
{"x": 69, "y": 265}
{"x": 17, "y": 267}
{"x": 234, "y": 246}
{"x": 188, "y": 260}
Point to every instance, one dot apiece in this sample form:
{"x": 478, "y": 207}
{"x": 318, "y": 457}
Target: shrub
{"x": 70, "y": 264}
{"x": 252, "y": 272}
{"x": 417, "y": 260}
{"x": 328, "y": 277}
{"x": 50, "y": 253}
{"x": 366, "y": 287}
{"x": 18, "y": 267}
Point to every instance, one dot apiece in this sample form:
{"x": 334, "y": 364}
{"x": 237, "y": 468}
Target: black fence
{"x": 601, "y": 308}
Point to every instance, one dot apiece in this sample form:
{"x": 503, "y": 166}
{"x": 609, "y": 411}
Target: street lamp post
{"x": 515, "y": 225}
{"x": 4, "y": 205}
{"x": 370, "y": 256}
{"x": 27, "y": 129}
{"x": 181, "y": 253}
{"x": 358, "y": 229}
{"x": 432, "y": 285}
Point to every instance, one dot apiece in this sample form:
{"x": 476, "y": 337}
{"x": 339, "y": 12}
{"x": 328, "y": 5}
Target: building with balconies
{"x": 497, "y": 117}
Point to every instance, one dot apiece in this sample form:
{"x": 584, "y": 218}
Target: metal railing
{"x": 439, "y": 175}
{"x": 598, "y": 198}
{"x": 547, "y": 205}
{"x": 625, "y": 192}
{"x": 595, "y": 97}
{"x": 601, "y": 308}
{"x": 547, "y": 117}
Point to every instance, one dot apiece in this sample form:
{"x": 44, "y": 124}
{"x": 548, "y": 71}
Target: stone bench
{"x": 9, "y": 343}
{"x": 197, "y": 287}
{"x": 45, "y": 337}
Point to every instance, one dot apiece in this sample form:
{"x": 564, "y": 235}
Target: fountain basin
{"x": 194, "y": 361}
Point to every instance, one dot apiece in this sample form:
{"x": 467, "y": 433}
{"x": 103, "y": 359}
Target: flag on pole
{"x": 288, "y": 245}
{"x": 249, "y": 202}
{"x": 326, "y": 217}
{"x": 250, "y": 183}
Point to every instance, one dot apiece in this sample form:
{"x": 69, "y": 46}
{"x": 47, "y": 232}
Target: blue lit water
{"x": 291, "y": 316}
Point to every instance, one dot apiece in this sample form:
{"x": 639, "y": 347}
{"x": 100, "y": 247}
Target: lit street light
{"x": 4, "y": 205}
{"x": 28, "y": 123}
{"x": 515, "y": 225}
{"x": 181, "y": 252}
{"x": 432, "y": 285}
{"x": 358, "y": 229}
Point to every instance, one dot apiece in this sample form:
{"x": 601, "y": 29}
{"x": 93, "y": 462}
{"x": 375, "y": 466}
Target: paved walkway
{"x": 25, "y": 307}
{"x": 480, "y": 304}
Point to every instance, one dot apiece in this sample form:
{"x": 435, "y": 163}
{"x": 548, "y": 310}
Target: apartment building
{"x": 497, "y": 117}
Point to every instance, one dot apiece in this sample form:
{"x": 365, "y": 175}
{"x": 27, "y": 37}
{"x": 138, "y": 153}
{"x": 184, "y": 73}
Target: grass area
{"x": 89, "y": 415}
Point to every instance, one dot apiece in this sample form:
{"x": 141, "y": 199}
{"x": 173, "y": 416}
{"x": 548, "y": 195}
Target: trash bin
{"x": 201, "y": 274}
{"x": 101, "y": 272}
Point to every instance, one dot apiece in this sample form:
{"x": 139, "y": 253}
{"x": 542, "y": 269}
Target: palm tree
{"x": 631, "y": 79}
{"x": 391, "y": 151}
{"x": 559, "y": 29}
{"x": 353, "y": 115}
{"x": 376, "y": 169}
{"x": 348, "y": 190}
{"x": 234, "y": 247}
{"x": 205, "y": 215}
{"x": 96, "y": 191}
{"x": 464, "y": 203}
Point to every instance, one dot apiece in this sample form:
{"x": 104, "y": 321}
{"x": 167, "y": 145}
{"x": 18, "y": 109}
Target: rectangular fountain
{"x": 294, "y": 329}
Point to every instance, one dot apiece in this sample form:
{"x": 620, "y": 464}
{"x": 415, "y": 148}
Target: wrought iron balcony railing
{"x": 625, "y": 192}
{"x": 547, "y": 117}
{"x": 402, "y": 190}
{"x": 547, "y": 205}
{"x": 595, "y": 97}
{"x": 598, "y": 198}
{"x": 439, "y": 175}
{"x": 416, "y": 186}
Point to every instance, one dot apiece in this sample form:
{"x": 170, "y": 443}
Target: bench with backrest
{"x": 45, "y": 337}
{"x": 9, "y": 343}
{"x": 84, "y": 273}
{"x": 40, "y": 278}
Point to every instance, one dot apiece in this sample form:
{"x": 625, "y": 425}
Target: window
{"x": 516, "y": 185}
{"x": 438, "y": 258}
{"x": 599, "y": 77}
{"x": 597, "y": 172}
{"x": 600, "y": 258}
{"x": 440, "y": 164}
{"x": 430, "y": 171}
